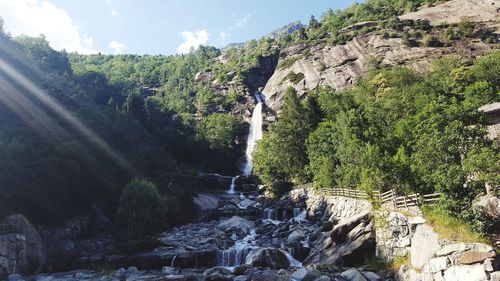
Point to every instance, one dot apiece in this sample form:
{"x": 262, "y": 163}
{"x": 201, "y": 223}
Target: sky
{"x": 154, "y": 26}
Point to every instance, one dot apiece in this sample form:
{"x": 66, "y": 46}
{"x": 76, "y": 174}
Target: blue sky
{"x": 154, "y": 26}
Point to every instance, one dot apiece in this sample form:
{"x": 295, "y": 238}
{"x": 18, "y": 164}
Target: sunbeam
{"x": 88, "y": 133}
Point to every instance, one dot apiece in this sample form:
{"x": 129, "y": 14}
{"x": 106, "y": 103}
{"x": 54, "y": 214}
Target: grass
{"x": 378, "y": 265}
{"x": 286, "y": 63}
{"x": 449, "y": 227}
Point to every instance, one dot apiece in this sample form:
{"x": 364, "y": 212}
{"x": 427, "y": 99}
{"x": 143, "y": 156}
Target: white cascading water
{"x": 254, "y": 134}
{"x": 232, "y": 187}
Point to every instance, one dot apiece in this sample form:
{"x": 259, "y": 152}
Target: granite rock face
{"x": 340, "y": 66}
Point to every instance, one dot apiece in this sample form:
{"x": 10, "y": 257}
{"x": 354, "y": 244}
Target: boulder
{"x": 121, "y": 273}
{"x": 268, "y": 257}
{"x": 15, "y": 277}
{"x": 241, "y": 225}
{"x": 371, "y": 276}
{"x": 348, "y": 243}
{"x": 471, "y": 257}
{"x": 424, "y": 244}
{"x": 217, "y": 273}
{"x": 353, "y": 275}
{"x": 132, "y": 270}
{"x": 245, "y": 203}
{"x": 304, "y": 274}
{"x": 473, "y": 272}
{"x": 22, "y": 249}
{"x": 491, "y": 264}
{"x": 268, "y": 275}
{"x": 168, "y": 270}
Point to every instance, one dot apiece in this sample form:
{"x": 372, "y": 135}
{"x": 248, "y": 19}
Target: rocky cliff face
{"x": 341, "y": 66}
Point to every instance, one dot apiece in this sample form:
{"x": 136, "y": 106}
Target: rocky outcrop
{"x": 240, "y": 225}
{"x": 485, "y": 11}
{"x": 21, "y": 249}
{"x": 341, "y": 66}
{"x": 347, "y": 244}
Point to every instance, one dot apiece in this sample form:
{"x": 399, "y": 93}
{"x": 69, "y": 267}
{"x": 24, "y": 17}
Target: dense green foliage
{"x": 63, "y": 149}
{"x": 161, "y": 92}
{"x": 396, "y": 129}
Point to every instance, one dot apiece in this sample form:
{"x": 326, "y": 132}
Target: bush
{"x": 431, "y": 41}
{"x": 142, "y": 209}
{"x": 294, "y": 77}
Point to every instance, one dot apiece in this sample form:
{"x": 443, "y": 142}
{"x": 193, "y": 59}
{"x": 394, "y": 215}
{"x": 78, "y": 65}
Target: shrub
{"x": 142, "y": 209}
{"x": 431, "y": 41}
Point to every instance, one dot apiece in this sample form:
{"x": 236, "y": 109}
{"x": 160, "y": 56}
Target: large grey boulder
{"x": 23, "y": 249}
{"x": 348, "y": 243}
{"x": 489, "y": 205}
{"x": 241, "y": 225}
{"x": 424, "y": 244}
{"x": 268, "y": 257}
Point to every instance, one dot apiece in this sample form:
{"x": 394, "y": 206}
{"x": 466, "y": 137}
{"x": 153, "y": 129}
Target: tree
{"x": 286, "y": 148}
{"x": 142, "y": 209}
{"x": 313, "y": 23}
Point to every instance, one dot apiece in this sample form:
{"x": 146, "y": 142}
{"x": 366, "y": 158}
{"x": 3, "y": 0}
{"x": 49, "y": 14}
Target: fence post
{"x": 394, "y": 199}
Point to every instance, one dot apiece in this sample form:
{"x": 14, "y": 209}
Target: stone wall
{"x": 429, "y": 257}
{"x": 328, "y": 208}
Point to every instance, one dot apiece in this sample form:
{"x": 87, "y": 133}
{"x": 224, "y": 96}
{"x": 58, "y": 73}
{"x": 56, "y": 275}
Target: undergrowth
{"x": 449, "y": 227}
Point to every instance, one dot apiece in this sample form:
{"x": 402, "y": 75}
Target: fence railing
{"x": 389, "y": 197}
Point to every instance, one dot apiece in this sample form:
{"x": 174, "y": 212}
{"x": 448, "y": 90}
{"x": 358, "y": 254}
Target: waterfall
{"x": 173, "y": 261}
{"x": 237, "y": 254}
{"x": 232, "y": 186}
{"x": 254, "y": 134}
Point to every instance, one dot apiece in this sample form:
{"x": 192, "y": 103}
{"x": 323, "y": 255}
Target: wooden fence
{"x": 389, "y": 197}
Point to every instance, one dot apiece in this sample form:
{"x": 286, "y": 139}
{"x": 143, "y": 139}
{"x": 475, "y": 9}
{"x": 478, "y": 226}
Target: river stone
{"x": 268, "y": 257}
{"x": 471, "y": 257}
{"x": 242, "y": 269}
{"x": 217, "y": 273}
{"x": 304, "y": 274}
{"x": 268, "y": 275}
{"x": 120, "y": 273}
{"x": 371, "y": 276}
{"x": 423, "y": 245}
{"x": 168, "y": 270}
{"x": 473, "y": 272}
{"x": 241, "y": 225}
{"x": 15, "y": 277}
{"x": 353, "y": 275}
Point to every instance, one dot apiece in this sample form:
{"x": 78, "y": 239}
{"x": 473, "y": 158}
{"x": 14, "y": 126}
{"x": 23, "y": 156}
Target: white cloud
{"x": 192, "y": 40}
{"x": 35, "y": 17}
{"x": 117, "y": 47}
{"x": 223, "y": 36}
{"x": 240, "y": 21}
